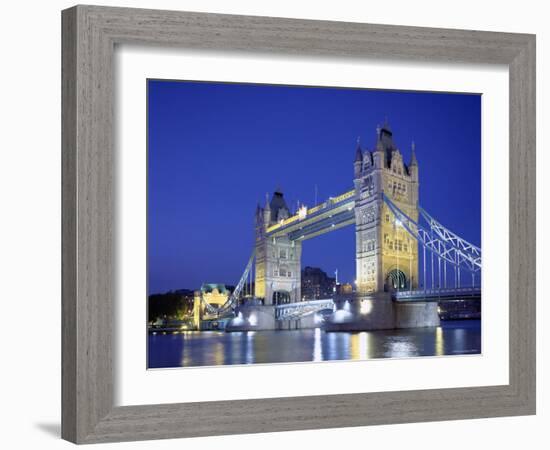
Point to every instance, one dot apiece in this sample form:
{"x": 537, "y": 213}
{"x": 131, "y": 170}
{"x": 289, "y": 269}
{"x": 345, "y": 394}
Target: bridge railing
{"x": 444, "y": 248}
{"x": 302, "y": 309}
{"x": 445, "y": 292}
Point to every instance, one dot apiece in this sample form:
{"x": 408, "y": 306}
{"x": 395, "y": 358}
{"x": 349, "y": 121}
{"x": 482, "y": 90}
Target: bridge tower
{"x": 386, "y": 255}
{"x": 278, "y": 259}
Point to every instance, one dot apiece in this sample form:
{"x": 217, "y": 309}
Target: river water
{"x": 213, "y": 348}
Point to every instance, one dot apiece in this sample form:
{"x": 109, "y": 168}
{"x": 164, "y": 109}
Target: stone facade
{"x": 278, "y": 259}
{"x": 375, "y": 311}
{"x": 386, "y": 255}
{"x": 252, "y": 317}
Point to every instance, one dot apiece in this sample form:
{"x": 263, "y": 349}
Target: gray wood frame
{"x": 89, "y": 36}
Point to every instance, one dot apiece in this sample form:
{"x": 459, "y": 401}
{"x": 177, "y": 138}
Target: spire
{"x": 358, "y": 152}
{"x": 278, "y": 206}
{"x": 267, "y": 201}
{"x": 385, "y": 142}
{"x": 414, "y": 162}
{"x": 259, "y": 213}
{"x": 386, "y": 125}
{"x": 379, "y": 147}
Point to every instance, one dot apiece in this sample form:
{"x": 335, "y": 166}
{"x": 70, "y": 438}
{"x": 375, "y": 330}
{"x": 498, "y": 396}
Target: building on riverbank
{"x": 316, "y": 284}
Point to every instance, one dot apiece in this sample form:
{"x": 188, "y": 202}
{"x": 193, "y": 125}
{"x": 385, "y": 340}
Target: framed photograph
{"x": 277, "y": 224}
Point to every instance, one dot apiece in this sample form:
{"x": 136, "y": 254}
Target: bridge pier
{"x": 378, "y": 311}
{"x": 294, "y": 316}
{"x": 415, "y": 315}
{"x": 252, "y": 318}
{"x": 302, "y": 323}
{"x": 353, "y": 312}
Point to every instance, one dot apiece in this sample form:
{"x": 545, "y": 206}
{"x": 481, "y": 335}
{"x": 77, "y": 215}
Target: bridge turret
{"x": 413, "y": 165}
{"x": 378, "y": 158}
{"x": 358, "y": 166}
{"x": 358, "y": 160}
{"x": 279, "y": 208}
{"x": 367, "y": 161}
{"x": 259, "y": 217}
{"x": 378, "y": 153}
{"x": 278, "y": 258}
{"x": 267, "y": 211}
{"x": 383, "y": 249}
{"x": 385, "y": 143}
{"x": 396, "y": 162}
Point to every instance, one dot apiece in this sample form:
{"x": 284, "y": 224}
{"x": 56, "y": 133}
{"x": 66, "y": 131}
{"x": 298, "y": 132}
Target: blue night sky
{"x": 215, "y": 149}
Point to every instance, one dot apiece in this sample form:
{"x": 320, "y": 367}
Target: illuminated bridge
{"x": 450, "y": 265}
{"x": 404, "y": 256}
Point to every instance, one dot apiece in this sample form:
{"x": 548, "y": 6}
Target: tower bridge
{"x": 406, "y": 261}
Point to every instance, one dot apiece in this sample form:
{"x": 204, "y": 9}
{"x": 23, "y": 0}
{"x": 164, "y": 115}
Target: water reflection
{"x": 439, "y": 341}
{"x": 360, "y": 344}
{"x": 250, "y": 347}
{"x": 219, "y": 348}
{"x": 318, "y": 345}
{"x": 400, "y": 347}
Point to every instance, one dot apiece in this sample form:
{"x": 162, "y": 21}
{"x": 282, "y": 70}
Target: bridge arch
{"x": 396, "y": 280}
{"x": 281, "y": 297}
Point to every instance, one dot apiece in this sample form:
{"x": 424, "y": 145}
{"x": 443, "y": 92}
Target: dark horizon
{"x": 215, "y": 149}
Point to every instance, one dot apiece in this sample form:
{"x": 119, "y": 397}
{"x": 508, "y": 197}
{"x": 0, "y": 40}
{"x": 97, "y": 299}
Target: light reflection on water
{"x": 318, "y": 345}
{"x": 212, "y": 348}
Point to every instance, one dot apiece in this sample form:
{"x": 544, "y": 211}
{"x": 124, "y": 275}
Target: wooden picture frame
{"x": 90, "y": 34}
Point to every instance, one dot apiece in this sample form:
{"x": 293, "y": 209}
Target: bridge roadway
{"x": 336, "y": 212}
{"x": 291, "y": 311}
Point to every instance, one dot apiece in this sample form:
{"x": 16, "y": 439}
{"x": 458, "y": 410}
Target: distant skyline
{"x": 216, "y": 149}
